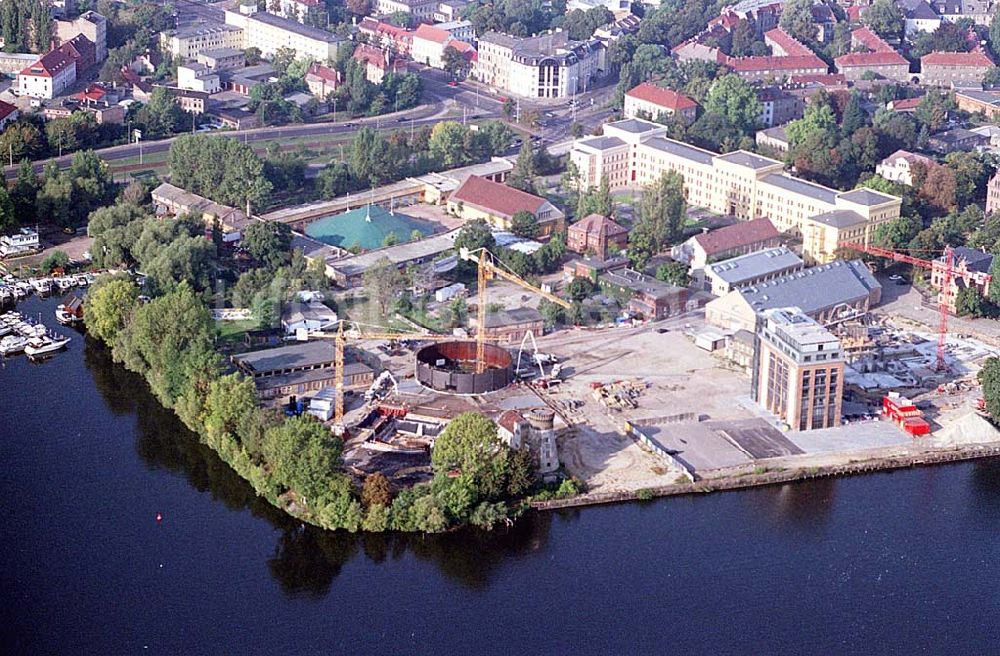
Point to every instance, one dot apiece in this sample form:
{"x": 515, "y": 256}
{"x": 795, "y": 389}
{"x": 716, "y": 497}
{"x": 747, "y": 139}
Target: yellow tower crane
{"x": 488, "y": 268}
{"x": 340, "y": 341}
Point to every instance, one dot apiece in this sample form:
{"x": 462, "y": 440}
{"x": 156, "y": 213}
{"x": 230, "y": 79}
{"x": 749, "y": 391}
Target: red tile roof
{"x": 495, "y": 197}
{"x": 974, "y": 58}
{"x": 795, "y": 62}
{"x": 661, "y": 97}
{"x": 829, "y": 79}
{"x": 6, "y": 109}
{"x": 509, "y": 419}
{"x": 871, "y": 59}
{"x": 50, "y": 64}
{"x": 744, "y": 233}
{"x": 788, "y": 43}
{"x": 369, "y": 55}
{"x": 325, "y": 72}
{"x": 870, "y": 40}
{"x": 597, "y": 225}
{"x": 905, "y": 104}
{"x": 431, "y": 33}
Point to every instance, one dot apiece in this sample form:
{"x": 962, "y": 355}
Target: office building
{"x": 544, "y": 66}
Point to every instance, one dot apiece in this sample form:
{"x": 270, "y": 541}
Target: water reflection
{"x": 806, "y": 506}
{"x": 305, "y": 560}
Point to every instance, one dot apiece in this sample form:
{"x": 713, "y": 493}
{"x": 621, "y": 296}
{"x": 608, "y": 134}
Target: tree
{"x": 382, "y": 283}
{"x": 674, "y": 273}
{"x": 470, "y": 447}
{"x": 597, "y": 201}
{"x": 474, "y": 235}
{"x": 797, "y": 20}
{"x": 8, "y": 214}
{"x": 579, "y": 288}
{"x": 161, "y": 116}
{"x": 334, "y": 180}
{"x": 969, "y": 303}
{"x": 185, "y": 258}
{"x": 371, "y": 161}
{"x": 227, "y": 171}
{"x": 21, "y": 140}
{"x": 662, "y": 210}
{"x": 522, "y": 176}
{"x": 268, "y": 242}
{"x": 884, "y": 18}
{"x": 524, "y": 224}
{"x": 989, "y": 378}
{"x": 817, "y": 123}
{"x": 24, "y": 193}
{"x": 114, "y": 216}
{"x": 54, "y": 260}
{"x": 453, "y": 62}
{"x": 110, "y": 303}
{"x": 303, "y": 455}
{"x": 359, "y": 7}
{"x": 854, "y": 117}
{"x": 252, "y": 56}
{"x": 376, "y": 491}
{"x": 732, "y": 97}
{"x": 231, "y": 414}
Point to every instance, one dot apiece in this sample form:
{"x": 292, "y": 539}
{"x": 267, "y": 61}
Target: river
{"x": 903, "y": 562}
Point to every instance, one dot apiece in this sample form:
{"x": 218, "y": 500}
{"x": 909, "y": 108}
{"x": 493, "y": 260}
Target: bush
{"x": 645, "y": 494}
{"x": 55, "y": 260}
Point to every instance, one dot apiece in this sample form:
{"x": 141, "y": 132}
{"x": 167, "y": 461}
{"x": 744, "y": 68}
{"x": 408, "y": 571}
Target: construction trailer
{"x": 905, "y": 414}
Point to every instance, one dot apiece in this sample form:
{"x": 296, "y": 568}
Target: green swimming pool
{"x": 366, "y": 227}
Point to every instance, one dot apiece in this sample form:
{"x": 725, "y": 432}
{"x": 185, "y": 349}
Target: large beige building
{"x": 91, "y": 25}
{"x": 798, "y": 370}
{"x": 189, "y": 42}
{"x": 270, "y": 33}
{"x": 636, "y": 153}
{"x": 544, "y": 66}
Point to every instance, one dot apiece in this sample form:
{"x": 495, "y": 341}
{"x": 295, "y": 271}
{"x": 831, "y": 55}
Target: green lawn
{"x": 230, "y": 331}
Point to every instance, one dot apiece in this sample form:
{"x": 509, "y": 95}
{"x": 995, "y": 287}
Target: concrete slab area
{"x": 757, "y": 437}
{"x": 697, "y": 446}
{"x": 851, "y": 437}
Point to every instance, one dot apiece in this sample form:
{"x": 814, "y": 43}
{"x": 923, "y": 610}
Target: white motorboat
{"x": 21, "y": 290}
{"x": 12, "y": 344}
{"x": 64, "y": 317}
{"x": 6, "y": 294}
{"x": 65, "y": 284}
{"x": 5, "y": 329}
{"x": 81, "y": 280}
{"x": 37, "y": 346}
{"x": 42, "y": 285}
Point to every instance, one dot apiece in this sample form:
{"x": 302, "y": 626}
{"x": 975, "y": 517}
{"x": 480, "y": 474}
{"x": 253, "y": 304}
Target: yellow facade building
{"x": 635, "y": 153}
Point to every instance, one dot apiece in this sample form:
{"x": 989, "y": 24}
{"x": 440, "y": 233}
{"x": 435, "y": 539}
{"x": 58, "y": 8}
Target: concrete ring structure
{"x": 451, "y": 367}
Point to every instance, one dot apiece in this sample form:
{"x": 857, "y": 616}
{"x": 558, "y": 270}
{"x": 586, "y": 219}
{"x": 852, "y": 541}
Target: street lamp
{"x": 138, "y": 139}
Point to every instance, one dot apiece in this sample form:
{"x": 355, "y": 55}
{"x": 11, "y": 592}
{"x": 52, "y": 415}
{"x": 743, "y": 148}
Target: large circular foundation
{"x": 451, "y": 367}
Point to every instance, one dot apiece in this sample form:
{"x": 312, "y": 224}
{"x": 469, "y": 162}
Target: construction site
{"x": 666, "y": 404}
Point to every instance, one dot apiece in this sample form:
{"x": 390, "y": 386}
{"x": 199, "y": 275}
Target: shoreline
{"x": 779, "y": 477}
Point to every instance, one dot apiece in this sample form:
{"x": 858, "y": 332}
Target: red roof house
{"x": 496, "y": 203}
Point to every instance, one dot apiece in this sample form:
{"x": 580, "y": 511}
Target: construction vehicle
{"x": 947, "y": 271}
{"x": 490, "y": 267}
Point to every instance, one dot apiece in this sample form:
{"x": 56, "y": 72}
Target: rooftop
{"x": 203, "y": 29}
{"x": 295, "y": 27}
{"x": 815, "y": 289}
{"x": 839, "y": 218}
{"x": 739, "y": 234}
{"x": 513, "y": 317}
{"x": 795, "y": 185}
{"x": 975, "y": 260}
{"x": 496, "y": 197}
{"x": 754, "y": 265}
{"x": 640, "y": 283}
{"x": 867, "y": 197}
{"x": 798, "y": 327}
{"x": 681, "y": 149}
{"x": 635, "y": 125}
{"x": 598, "y": 224}
{"x": 975, "y": 58}
{"x": 415, "y": 250}
{"x": 601, "y": 143}
{"x": 667, "y": 98}
{"x": 981, "y": 96}
{"x": 748, "y": 159}
{"x": 297, "y": 356}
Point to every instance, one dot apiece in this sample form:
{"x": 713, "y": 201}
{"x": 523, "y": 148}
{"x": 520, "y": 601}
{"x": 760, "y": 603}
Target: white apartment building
{"x": 417, "y": 8}
{"x": 635, "y": 153}
{"x": 898, "y": 166}
{"x": 196, "y": 76}
{"x": 544, "y": 66}
{"x": 189, "y": 42}
{"x": 270, "y": 33}
{"x": 49, "y": 76}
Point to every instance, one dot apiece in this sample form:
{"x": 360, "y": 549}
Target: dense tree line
{"x": 25, "y": 25}
{"x": 225, "y": 170}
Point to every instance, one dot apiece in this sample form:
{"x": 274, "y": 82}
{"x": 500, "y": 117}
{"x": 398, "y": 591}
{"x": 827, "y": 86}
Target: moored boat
{"x": 12, "y": 344}
{"x": 38, "y": 346}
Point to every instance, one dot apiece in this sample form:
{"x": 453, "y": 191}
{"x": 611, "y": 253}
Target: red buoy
{"x": 159, "y": 518}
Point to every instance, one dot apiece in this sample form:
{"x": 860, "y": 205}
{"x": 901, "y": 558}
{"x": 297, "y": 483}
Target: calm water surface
{"x": 897, "y": 563}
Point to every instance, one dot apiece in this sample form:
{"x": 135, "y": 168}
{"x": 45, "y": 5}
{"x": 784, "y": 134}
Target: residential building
{"x": 309, "y": 316}
{"x": 991, "y": 132}
{"x": 750, "y": 269}
{"x": 376, "y": 62}
{"x": 778, "y": 106}
{"x": 823, "y": 292}
{"x": 301, "y": 10}
{"x": 419, "y": 9}
{"x": 646, "y": 296}
{"x": 448, "y": 11}
{"x": 898, "y": 166}
{"x": 655, "y": 103}
{"x": 242, "y": 80}
{"x": 192, "y": 102}
{"x": 383, "y": 35}
{"x": 8, "y": 114}
{"x": 48, "y": 77}
{"x": 956, "y": 140}
{"x": 510, "y": 326}
{"x": 591, "y": 267}
{"x": 738, "y": 239}
{"x": 970, "y": 268}
{"x": 955, "y": 69}
{"x": 919, "y": 17}
{"x": 430, "y": 42}
{"x": 287, "y": 372}
{"x": 598, "y": 235}
{"x": 798, "y": 370}
{"x": 789, "y": 57}
{"x": 188, "y": 42}
{"x": 952, "y": 11}
{"x": 974, "y": 100}
{"x": 633, "y": 153}
{"x": 322, "y": 80}
{"x": 544, "y": 66}
{"x": 270, "y": 33}
{"x": 496, "y": 203}
{"x": 22, "y": 242}
{"x": 773, "y": 138}
{"x": 222, "y": 59}
{"x": 614, "y": 6}
{"x": 459, "y": 29}
{"x": 904, "y": 105}
{"x": 993, "y": 194}
{"x": 198, "y": 77}
{"x": 90, "y": 24}
{"x": 739, "y": 349}
{"x": 879, "y": 59}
